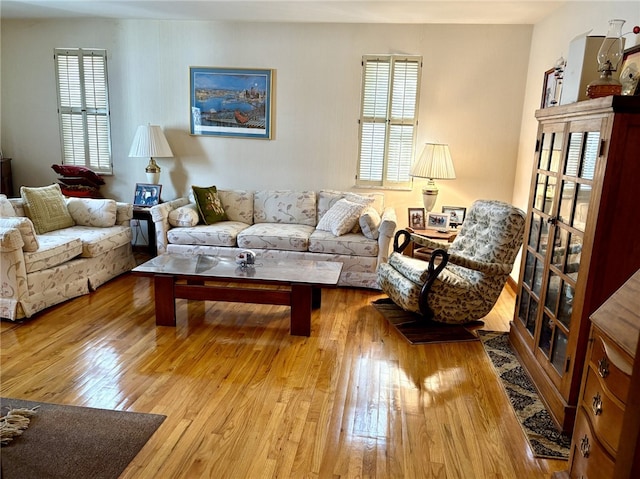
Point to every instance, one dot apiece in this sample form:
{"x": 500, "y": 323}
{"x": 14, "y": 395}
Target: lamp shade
{"x": 149, "y": 142}
{"x": 434, "y": 163}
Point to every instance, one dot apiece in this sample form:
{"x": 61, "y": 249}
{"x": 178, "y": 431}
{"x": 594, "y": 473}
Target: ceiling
{"x": 327, "y": 11}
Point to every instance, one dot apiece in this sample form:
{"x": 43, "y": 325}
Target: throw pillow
{"x": 6, "y": 208}
{"x": 184, "y": 216}
{"x": 79, "y": 172}
{"x": 92, "y": 212}
{"x": 27, "y": 232}
{"x": 209, "y": 204}
{"x": 46, "y": 207}
{"x": 370, "y": 222}
{"x": 341, "y": 217}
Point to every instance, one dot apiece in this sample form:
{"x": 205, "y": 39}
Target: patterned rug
{"x": 537, "y": 424}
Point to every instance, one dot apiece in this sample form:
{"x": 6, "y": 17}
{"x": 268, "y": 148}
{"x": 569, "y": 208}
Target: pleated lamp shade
{"x": 148, "y": 142}
{"x": 434, "y": 164}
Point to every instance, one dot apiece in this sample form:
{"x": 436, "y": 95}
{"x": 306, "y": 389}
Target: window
{"x": 388, "y": 119}
{"x": 83, "y": 108}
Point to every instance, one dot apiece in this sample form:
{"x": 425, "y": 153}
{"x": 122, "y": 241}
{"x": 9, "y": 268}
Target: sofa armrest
{"x": 13, "y": 275}
{"x": 386, "y": 231}
{"x": 124, "y": 213}
{"x": 160, "y": 217}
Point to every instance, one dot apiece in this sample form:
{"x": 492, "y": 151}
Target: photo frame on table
{"x": 147, "y": 194}
{"x": 456, "y": 214}
{"x": 416, "y": 218}
{"x": 630, "y": 71}
{"x": 439, "y": 221}
{"x": 232, "y": 102}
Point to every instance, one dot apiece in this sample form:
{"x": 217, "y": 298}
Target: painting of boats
{"x": 231, "y": 102}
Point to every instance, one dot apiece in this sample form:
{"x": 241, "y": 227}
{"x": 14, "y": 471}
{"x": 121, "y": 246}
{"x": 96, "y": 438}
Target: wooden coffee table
{"x": 288, "y": 282}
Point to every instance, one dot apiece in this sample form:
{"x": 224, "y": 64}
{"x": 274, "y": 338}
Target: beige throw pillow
{"x": 341, "y": 217}
{"x": 370, "y": 222}
{"x": 46, "y": 207}
{"x": 184, "y": 216}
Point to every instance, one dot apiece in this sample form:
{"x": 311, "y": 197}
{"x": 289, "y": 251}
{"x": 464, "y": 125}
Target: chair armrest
{"x": 10, "y": 240}
{"x": 160, "y": 217}
{"x": 490, "y": 269}
{"x": 429, "y": 243}
{"x": 387, "y": 228}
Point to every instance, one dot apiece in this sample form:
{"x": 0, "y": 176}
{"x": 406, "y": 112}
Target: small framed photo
{"x": 630, "y": 71}
{"x": 416, "y": 218}
{"x": 147, "y": 194}
{"x": 456, "y": 214}
{"x": 439, "y": 221}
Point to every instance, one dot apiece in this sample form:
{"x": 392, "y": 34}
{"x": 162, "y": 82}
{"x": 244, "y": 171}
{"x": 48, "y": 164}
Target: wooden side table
{"x": 423, "y": 252}
{"x": 140, "y": 213}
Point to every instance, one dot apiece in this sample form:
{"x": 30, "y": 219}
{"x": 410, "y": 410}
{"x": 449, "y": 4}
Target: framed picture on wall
{"x": 234, "y": 102}
{"x": 416, "y": 218}
{"x": 147, "y": 194}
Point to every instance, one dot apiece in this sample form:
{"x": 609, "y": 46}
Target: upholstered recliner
{"x": 463, "y": 280}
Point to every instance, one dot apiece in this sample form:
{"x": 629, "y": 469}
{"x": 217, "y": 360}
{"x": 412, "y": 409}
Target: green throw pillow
{"x": 209, "y": 204}
{"x": 46, "y": 208}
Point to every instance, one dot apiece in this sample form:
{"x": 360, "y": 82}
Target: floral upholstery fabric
{"x": 288, "y": 237}
{"x": 92, "y": 212}
{"x": 284, "y": 206}
{"x": 223, "y": 233}
{"x": 6, "y": 208}
{"x": 57, "y": 270}
{"x": 294, "y": 236}
{"x": 482, "y": 257}
{"x": 26, "y": 229}
{"x": 184, "y": 216}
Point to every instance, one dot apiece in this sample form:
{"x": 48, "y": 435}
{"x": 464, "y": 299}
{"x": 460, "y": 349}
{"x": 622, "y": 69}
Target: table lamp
{"x": 434, "y": 164}
{"x": 150, "y": 141}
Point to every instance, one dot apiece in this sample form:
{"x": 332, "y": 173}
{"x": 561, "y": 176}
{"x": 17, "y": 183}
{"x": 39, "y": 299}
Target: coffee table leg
{"x": 316, "y": 297}
{"x": 301, "y": 310}
{"x": 165, "y": 300}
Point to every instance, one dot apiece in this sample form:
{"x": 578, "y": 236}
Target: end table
{"x": 141, "y": 213}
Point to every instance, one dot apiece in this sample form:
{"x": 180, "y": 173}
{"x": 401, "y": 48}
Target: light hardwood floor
{"x": 244, "y": 399}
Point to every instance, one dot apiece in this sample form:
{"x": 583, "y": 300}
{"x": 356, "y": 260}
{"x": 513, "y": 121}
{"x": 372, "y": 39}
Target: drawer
{"x": 588, "y": 458}
{"x": 612, "y": 365}
{"x": 604, "y": 411}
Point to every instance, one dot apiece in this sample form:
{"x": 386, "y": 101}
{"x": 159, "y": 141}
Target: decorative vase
{"x": 609, "y": 57}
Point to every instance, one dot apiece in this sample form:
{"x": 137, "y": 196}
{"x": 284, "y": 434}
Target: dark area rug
{"x": 75, "y": 442}
{"x": 418, "y": 330}
{"x": 543, "y": 436}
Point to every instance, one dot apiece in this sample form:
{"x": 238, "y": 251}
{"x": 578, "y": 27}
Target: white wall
{"x": 473, "y": 84}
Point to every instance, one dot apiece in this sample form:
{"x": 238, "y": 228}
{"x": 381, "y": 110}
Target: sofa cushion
{"x": 288, "y": 237}
{"x": 53, "y": 250}
{"x": 46, "y": 207}
{"x": 209, "y": 205}
{"x": 223, "y": 233}
{"x": 349, "y": 244}
{"x": 92, "y": 212}
{"x": 238, "y": 205}
{"x": 6, "y": 208}
{"x": 341, "y": 217}
{"x": 27, "y": 231}
{"x": 370, "y": 222}
{"x": 285, "y": 206}
{"x": 96, "y": 241}
{"x": 184, "y": 216}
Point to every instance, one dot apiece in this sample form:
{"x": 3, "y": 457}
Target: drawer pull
{"x": 603, "y": 367}
{"x": 596, "y": 404}
{"x": 585, "y": 447}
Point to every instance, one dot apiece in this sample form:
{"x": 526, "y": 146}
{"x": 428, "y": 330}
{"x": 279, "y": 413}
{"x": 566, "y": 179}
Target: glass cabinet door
{"x": 558, "y": 216}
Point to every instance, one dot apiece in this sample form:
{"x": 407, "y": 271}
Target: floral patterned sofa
{"x": 286, "y": 223}
{"x": 41, "y": 270}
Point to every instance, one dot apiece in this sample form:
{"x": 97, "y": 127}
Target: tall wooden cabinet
{"x": 582, "y": 239}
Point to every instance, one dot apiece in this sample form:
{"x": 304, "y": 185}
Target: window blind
{"x": 83, "y": 108}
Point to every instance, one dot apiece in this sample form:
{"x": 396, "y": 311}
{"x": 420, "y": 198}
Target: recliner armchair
{"x": 463, "y": 280}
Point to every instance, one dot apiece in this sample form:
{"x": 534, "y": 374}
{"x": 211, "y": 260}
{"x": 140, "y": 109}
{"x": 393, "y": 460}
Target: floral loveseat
{"x": 43, "y": 269}
{"x": 322, "y": 226}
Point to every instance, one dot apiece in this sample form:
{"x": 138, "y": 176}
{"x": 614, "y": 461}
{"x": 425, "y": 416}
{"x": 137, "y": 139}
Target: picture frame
{"x": 549, "y": 89}
{"x": 147, "y": 195}
{"x": 438, "y": 221}
{"x": 456, "y": 214}
{"x": 231, "y": 102}
{"x": 630, "y": 71}
{"x": 416, "y": 219}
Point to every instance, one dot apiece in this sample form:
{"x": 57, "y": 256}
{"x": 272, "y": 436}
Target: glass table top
{"x": 285, "y": 270}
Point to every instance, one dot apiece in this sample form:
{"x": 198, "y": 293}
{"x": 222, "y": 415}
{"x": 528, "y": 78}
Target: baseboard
{"x": 511, "y": 283}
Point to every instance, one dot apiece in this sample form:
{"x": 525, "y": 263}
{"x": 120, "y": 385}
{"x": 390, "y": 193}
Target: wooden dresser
{"x": 604, "y": 393}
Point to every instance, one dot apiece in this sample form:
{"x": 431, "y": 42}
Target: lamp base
{"x": 606, "y": 85}
{"x": 429, "y": 196}
{"x": 153, "y": 172}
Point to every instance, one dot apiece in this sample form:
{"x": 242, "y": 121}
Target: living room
{"x": 481, "y": 84}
